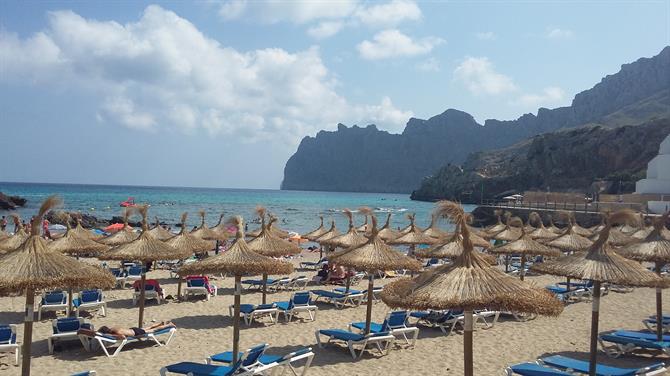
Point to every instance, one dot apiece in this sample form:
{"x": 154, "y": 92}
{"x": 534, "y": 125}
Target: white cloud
{"x": 325, "y": 29}
{"x": 487, "y": 35}
{"x": 429, "y": 65}
{"x": 556, "y": 33}
{"x": 162, "y": 74}
{"x": 550, "y": 96}
{"x": 480, "y": 77}
{"x": 389, "y": 14}
{"x": 299, "y": 11}
{"x": 392, "y": 43}
{"x": 232, "y": 9}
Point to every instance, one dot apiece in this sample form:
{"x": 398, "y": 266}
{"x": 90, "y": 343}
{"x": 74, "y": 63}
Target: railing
{"x": 586, "y": 207}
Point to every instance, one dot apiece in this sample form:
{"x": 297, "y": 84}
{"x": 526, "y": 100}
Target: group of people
{"x": 332, "y": 273}
{"x": 26, "y": 226}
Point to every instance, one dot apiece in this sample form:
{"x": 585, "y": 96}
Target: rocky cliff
{"x": 367, "y": 159}
{"x": 564, "y": 160}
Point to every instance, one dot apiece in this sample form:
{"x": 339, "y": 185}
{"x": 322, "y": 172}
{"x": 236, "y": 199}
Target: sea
{"x": 297, "y": 211}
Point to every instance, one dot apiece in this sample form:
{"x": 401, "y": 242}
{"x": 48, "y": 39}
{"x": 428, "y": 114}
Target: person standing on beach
{"x": 45, "y": 229}
{"x": 3, "y": 223}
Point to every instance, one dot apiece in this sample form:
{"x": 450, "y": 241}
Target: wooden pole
{"x": 659, "y": 306}
{"x": 179, "y": 287}
{"x": 595, "y": 310}
{"x": 28, "y": 332}
{"x": 368, "y": 313}
{"x": 69, "y": 302}
{"x": 143, "y": 282}
{"x": 346, "y": 290}
{"x": 320, "y": 252}
{"x": 236, "y": 318}
{"x": 522, "y": 272}
{"x": 467, "y": 345}
{"x": 265, "y": 286}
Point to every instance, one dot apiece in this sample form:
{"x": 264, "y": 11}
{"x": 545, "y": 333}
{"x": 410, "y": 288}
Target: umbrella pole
{"x": 368, "y": 313}
{"x": 593, "y": 348}
{"x": 69, "y": 302}
{"x": 143, "y": 282}
{"x": 265, "y": 286}
{"x": 506, "y": 263}
{"x": 411, "y": 252}
{"x": 179, "y": 287}
{"x": 522, "y": 272}
{"x": 346, "y": 291}
{"x": 320, "y": 251}
{"x": 236, "y": 318}
{"x": 467, "y": 345}
{"x": 27, "y": 332}
{"x": 216, "y": 250}
{"x": 659, "y": 306}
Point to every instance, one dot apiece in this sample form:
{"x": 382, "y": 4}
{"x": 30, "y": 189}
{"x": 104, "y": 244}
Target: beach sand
{"x": 205, "y": 328}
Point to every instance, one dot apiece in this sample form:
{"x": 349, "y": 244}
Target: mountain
{"x": 565, "y": 160}
{"x": 369, "y": 160}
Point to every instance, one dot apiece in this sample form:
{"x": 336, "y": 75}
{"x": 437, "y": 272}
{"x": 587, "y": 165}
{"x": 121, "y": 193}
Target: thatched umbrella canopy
{"x": 125, "y": 235}
{"x": 452, "y": 249}
{"x": 499, "y": 225}
{"x": 509, "y": 233}
{"x": 642, "y": 233}
{"x": 524, "y": 246}
{"x": 237, "y": 260}
{"x": 364, "y": 227}
{"x": 351, "y": 238}
{"x": 3, "y": 235}
{"x": 316, "y": 232}
{"x": 579, "y": 230}
{"x": 600, "y": 263}
{"x": 411, "y": 226}
{"x": 413, "y": 237}
{"x": 80, "y": 231}
{"x": 541, "y": 232}
{"x": 331, "y": 233}
{"x": 269, "y": 245}
{"x": 371, "y": 257}
{"x": 469, "y": 283}
{"x": 74, "y": 244}
{"x": 552, "y": 227}
{"x": 221, "y": 225}
{"x": 433, "y": 230}
{"x": 386, "y": 233}
{"x": 616, "y": 238}
{"x": 570, "y": 242}
{"x": 206, "y": 233}
{"x": 145, "y": 249}
{"x": 13, "y": 242}
{"x": 654, "y": 248}
{"x": 159, "y": 232}
{"x": 33, "y": 266}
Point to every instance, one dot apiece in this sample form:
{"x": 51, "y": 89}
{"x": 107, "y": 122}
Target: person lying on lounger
{"x": 122, "y": 333}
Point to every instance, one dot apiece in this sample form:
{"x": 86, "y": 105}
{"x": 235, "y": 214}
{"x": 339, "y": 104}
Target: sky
{"x": 220, "y": 93}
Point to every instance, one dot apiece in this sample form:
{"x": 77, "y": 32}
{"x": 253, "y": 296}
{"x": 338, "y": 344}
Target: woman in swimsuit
{"x": 135, "y": 331}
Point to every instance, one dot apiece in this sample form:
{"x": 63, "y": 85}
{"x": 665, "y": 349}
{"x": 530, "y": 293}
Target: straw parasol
{"x": 525, "y": 246}
{"x": 433, "y": 231}
{"x": 33, "y": 266}
{"x": 552, "y": 227}
{"x": 386, "y": 233}
{"x": 237, "y": 260}
{"x": 509, "y": 233}
{"x": 413, "y": 237}
{"x": 159, "y": 232}
{"x": 186, "y": 241}
{"x": 579, "y": 230}
{"x": 123, "y": 236}
{"x": 206, "y": 233}
{"x": 312, "y": 235}
{"x": 80, "y": 231}
{"x": 499, "y": 225}
{"x": 601, "y": 264}
{"x": 331, "y": 233}
{"x": 351, "y": 238}
{"x": 451, "y": 249}
{"x": 469, "y": 283}
{"x": 145, "y": 249}
{"x": 269, "y": 245}
{"x": 364, "y": 227}
{"x": 13, "y": 242}
{"x": 540, "y": 232}
{"x": 654, "y": 248}
{"x": 411, "y": 226}
{"x": 3, "y": 235}
{"x": 220, "y": 225}
{"x": 371, "y": 257}
{"x": 570, "y": 241}
{"x": 616, "y": 238}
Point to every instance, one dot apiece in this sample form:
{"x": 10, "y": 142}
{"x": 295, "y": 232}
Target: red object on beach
{"x": 115, "y": 227}
{"x": 129, "y": 202}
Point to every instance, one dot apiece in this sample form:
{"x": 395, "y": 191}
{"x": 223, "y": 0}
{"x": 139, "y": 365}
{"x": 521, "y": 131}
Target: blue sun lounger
{"x": 534, "y": 369}
{"x": 650, "y": 323}
{"x": 8, "y": 341}
{"x": 382, "y": 340}
{"x": 66, "y": 328}
{"x": 251, "y": 312}
{"x": 623, "y": 342}
{"x": 106, "y": 340}
{"x": 445, "y": 320}
{"x": 199, "y": 369}
{"x": 581, "y": 366}
{"x": 394, "y": 323}
{"x": 257, "y": 361}
{"x": 299, "y": 302}
{"x": 339, "y": 300}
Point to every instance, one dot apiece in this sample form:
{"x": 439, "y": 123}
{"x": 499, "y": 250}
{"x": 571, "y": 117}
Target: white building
{"x": 658, "y": 179}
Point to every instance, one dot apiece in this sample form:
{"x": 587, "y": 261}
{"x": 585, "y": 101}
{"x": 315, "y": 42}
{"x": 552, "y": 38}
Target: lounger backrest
{"x": 54, "y": 297}
{"x": 266, "y": 306}
{"x": 300, "y": 299}
{"x": 90, "y": 296}
{"x": 135, "y": 270}
{"x": 116, "y": 272}
{"x": 66, "y": 325}
{"x": 395, "y": 319}
{"x": 7, "y": 335}
{"x": 253, "y": 354}
{"x": 195, "y": 282}
{"x": 296, "y": 353}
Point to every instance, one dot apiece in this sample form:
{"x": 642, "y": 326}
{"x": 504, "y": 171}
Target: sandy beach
{"x": 205, "y": 328}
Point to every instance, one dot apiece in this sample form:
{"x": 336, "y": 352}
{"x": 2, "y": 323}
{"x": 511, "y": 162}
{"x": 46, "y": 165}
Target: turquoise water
{"x": 297, "y": 210}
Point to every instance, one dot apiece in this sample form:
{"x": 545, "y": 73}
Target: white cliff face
{"x": 658, "y": 178}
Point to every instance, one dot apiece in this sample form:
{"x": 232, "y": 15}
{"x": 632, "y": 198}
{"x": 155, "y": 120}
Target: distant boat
{"x": 128, "y": 203}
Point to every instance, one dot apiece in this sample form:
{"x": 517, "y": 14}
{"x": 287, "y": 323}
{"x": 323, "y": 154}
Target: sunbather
{"x": 122, "y": 333}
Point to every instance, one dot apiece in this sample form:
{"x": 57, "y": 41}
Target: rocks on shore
{"x": 11, "y": 202}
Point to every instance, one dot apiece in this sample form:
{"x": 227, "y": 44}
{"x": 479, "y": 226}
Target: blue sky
{"x": 219, "y": 93}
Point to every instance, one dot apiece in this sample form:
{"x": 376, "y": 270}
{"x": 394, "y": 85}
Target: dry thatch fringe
{"x": 238, "y": 259}
{"x": 125, "y": 235}
{"x": 184, "y": 240}
{"x": 267, "y": 244}
{"x": 654, "y": 248}
{"x": 48, "y": 204}
{"x": 331, "y": 233}
{"x": 374, "y": 255}
{"x": 601, "y": 263}
{"x": 347, "y": 213}
{"x": 261, "y": 212}
{"x": 74, "y": 244}
{"x": 365, "y": 210}
{"x": 316, "y": 232}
